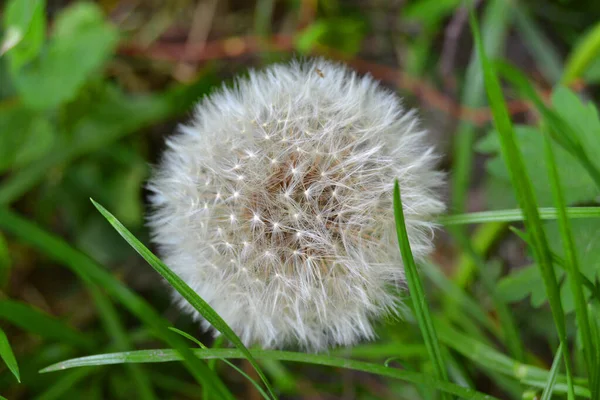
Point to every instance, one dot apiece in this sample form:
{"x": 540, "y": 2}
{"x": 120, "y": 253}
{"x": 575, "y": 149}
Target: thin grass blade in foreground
{"x": 417, "y": 293}
{"x": 8, "y": 356}
{"x": 547, "y": 393}
{"x": 178, "y": 284}
{"x": 235, "y": 367}
{"x": 546, "y": 213}
{"x": 166, "y": 355}
{"x": 572, "y": 266}
{"x": 524, "y": 191}
{"x": 90, "y": 272}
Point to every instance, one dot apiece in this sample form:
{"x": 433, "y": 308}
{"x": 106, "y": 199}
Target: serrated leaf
{"x": 578, "y": 186}
{"x": 528, "y": 281}
{"x": 81, "y": 43}
{"x": 582, "y": 117}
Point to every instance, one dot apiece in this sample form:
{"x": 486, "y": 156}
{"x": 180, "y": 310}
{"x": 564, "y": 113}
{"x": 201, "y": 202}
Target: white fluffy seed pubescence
{"x": 275, "y": 204}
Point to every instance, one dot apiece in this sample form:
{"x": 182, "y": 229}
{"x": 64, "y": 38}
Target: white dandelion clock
{"x": 275, "y": 204}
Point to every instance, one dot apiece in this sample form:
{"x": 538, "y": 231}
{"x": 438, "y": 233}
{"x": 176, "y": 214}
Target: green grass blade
{"x": 165, "y": 355}
{"x": 8, "y": 356}
{"x": 582, "y": 56}
{"x": 240, "y": 371}
{"x": 524, "y": 191}
{"x": 594, "y": 313}
{"x": 417, "y": 293}
{"x": 467, "y": 304}
{"x": 38, "y": 322}
{"x": 496, "y": 24}
{"x": 491, "y": 359}
{"x": 547, "y": 58}
{"x": 572, "y": 263}
{"x": 188, "y": 293}
{"x": 546, "y": 213}
{"x": 90, "y": 272}
{"x": 549, "y": 388}
{"x": 510, "y": 334}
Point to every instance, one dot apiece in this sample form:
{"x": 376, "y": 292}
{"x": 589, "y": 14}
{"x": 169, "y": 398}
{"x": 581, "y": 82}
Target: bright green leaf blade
{"x": 90, "y": 272}
{"x": 416, "y": 290}
{"x": 549, "y": 388}
{"x": 495, "y": 22}
{"x": 572, "y": 263}
{"x": 165, "y": 355}
{"x": 8, "y": 356}
{"x": 183, "y": 288}
{"x": 489, "y": 358}
{"x": 38, "y": 322}
{"x": 523, "y": 188}
{"x": 240, "y": 371}
{"x": 582, "y": 56}
{"x": 546, "y": 213}
{"x": 25, "y": 24}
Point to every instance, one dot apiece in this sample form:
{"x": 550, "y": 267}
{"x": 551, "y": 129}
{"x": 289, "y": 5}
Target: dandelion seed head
{"x": 293, "y": 171}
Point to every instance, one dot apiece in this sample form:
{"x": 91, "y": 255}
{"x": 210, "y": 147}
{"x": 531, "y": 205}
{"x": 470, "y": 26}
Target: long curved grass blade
{"x": 490, "y": 359}
{"x": 572, "y": 264}
{"x": 549, "y": 388}
{"x": 240, "y": 371}
{"x": 183, "y": 288}
{"x": 546, "y": 213}
{"x": 165, "y": 355}
{"x": 582, "y": 56}
{"x": 90, "y": 272}
{"x": 8, "y": 356}
{"x": 523, "y": 188}
{"x": 416, "y": 290}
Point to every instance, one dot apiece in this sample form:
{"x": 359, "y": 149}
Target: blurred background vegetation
{"x": 90, "y": 90}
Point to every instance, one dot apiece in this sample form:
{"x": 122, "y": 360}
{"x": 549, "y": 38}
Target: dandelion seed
{"x": 312, "y": 225}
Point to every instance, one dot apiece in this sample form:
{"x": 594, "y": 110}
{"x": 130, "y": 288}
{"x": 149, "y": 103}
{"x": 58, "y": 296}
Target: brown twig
{"x": 239, "y": 46}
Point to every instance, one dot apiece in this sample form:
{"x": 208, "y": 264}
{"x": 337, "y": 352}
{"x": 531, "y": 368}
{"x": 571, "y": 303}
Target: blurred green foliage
{"x": 81, "y": 117}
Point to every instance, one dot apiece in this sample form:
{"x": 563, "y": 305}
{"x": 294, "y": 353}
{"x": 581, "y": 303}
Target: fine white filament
{"x": 275, "y": 204}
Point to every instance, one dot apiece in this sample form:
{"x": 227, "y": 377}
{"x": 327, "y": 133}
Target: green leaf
{"x": 8, "y": 356}
{"x": 167, "y": 355}
{"x": 344, "y": 34}
{"x": 25, "y": 29}
{"x": 417, "y": 294}
{"x": 577, "y": 184}
{"x": 183, "y": 288}
{"x": 82, "y": 41}
{"x": 583, "y": 118}
{"x": 26, "y": 137}
{"x": 35, "y": 321}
